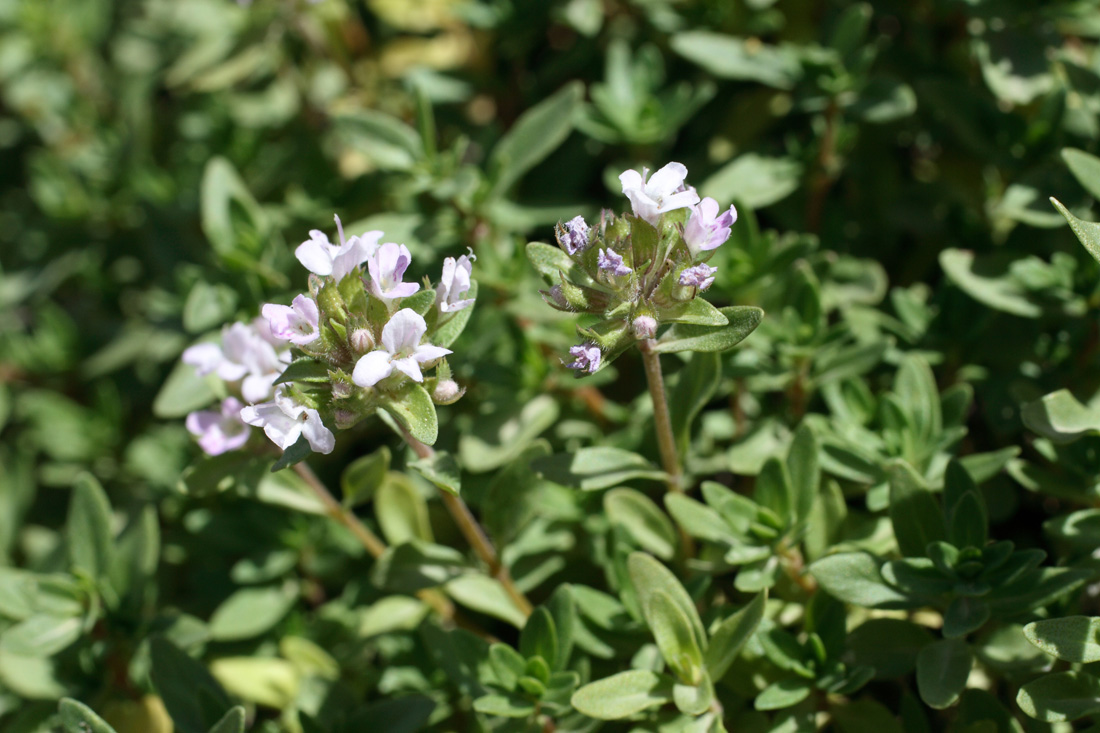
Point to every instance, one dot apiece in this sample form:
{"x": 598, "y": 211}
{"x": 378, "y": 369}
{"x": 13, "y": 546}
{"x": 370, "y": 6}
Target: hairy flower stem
{"x": 373, "y": 544}
{"x": 662, "y": 423}
{"x": 473, "y": 532}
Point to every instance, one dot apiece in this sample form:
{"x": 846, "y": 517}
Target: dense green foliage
{"x": 888, "y": 519}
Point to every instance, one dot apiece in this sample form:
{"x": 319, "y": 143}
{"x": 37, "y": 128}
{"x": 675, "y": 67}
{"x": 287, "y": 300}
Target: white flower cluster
{"x": 385, "y": 353}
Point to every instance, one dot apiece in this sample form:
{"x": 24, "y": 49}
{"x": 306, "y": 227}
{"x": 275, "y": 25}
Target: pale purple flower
{"x": 663, "y": 191}
{"x": 573, "y": 236}
{"x": 219, "y": 431}
{"x": 387, "y": 265}
{"x": 284, "y": 421}
{"x": 323, "y": 258}
{"x": 401, "y": 350}
{"x": 296, "y": 323}
{"x": 454, "y": 284}
{"x": 700, "y": 276}
{"x": 611, "y": 261}
{"x": 586, "y": 357}
{"x": 248, "y": 352}
{"x": 706, "y": 229}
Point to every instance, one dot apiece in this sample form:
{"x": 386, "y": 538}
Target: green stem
{"x": 666, "y": 439}
{"x": 662, "y": 422}
{"x": 473, "y": 532}
{"x": 373, "y": 544}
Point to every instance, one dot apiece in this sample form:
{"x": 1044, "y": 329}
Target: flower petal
{"x": 315, "y": 256}
{"x": 427, "y": 352}
{"x": 409, "y": 367}
{"x": 372, "y": 368}
{"x": 320, "y": 438}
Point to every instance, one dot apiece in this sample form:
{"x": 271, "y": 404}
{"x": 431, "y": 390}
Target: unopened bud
{"x": 345, "y": 418}
{"x": 447, "y": 392}
{"x": 644, "y": 327}
{"x": 361, "y": 340}
{"x": 555, "y": 298}
{"x": 341, "y": 390}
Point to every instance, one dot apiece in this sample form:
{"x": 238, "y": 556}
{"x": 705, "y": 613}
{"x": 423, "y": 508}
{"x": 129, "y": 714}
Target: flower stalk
{"x": 662, "y": 422}
{"x": 473, "y": 532}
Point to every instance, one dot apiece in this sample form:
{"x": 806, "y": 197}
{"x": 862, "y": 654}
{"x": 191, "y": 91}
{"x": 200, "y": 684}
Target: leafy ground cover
{"x": 668, "y": 366}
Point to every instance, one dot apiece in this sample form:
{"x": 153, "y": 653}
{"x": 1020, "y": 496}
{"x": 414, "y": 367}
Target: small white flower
{"x": 221, "y": 430}
{"x": 454, "y": 284}
{"x": 284, "y": 421}
{"x": 323, "y": 258}
{"x": 296, "y": 323}
{"x": 387, "y": 265}
{"x": 401, "y": 350}
{"x": 248, "y": 352}
{"x": 663, "y": 191}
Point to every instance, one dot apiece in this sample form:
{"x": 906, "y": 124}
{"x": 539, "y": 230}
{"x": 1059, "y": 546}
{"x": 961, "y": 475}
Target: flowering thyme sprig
{"x": 638, "y": 270}
{"x": 360, "y": 342}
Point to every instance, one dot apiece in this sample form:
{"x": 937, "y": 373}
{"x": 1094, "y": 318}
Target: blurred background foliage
{"x": 159, "y": 160}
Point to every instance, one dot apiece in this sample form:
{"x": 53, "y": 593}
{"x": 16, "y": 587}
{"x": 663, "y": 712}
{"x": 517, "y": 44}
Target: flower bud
{"x": 345, "y": 418}
{"x": 341, "y": 390}
{"x": 447, "y": 392}
{"x": 555, "y": 298}
{"x": 361, "y": 340}
{"x": 644, "y": 327}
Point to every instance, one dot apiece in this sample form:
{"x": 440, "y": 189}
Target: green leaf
{"x": 552, "y": 262}
{"x": 988, "y": 284}
{"x": 441, "y": 469}
{"x": 183, "y": 391}
{"x": 802, "y": 468}
{"x": 387, "y": 142}
{"x": 539, "y": 637}
{"x": 88, "y": 530}
{"x": 250, "y": 612}
{"x": 695, "y": 386}
{"x": 1060, "y": 417}
{"x": 76, "y": 717}
{"x": 419, "y": 302}
{"x": 963, "y": 616}
{"x": 783, "y": 694}
{"x": 1073, "y": 638}
{"x": 233, "y": 722}
{"x": 694, "y": 699}
{"x": 186, "y": 687}
{"x": 942, "y": 670}
{"x": 743, "y": 320}
{"x": 41, "y": 635}
{"x": 296, "y": 453}
{"x": 884, "y": 100}
{"x": 649, "y": 576}
{"x": 595, "y": 468}
{"x": 969, "y": 521}
{"x": 854, "y": 577}
{"x": 413, "y": 408}
{"x": 266, "y": 681}
{"x": 486, "y": 595}
{"x": 1085, "y": 167}
{"x": 643, "y": 520}
{"x": 731, "y": 635}
{"x": 698, "y": 519}
{"x": 728, "y": 57}
{"x": 508, "y": 664}
{"x": 417, "y": 565}
{"x": 208, "y": 306}
{"x": 401, "y": 510}
{"x": 494, "y": 443}
{"x": 223, "y": 194}
{"x": 536, "y": 134}
{"x": 623, "y": 695}
{"x": 505, "y": 706}
{"x": 673, "y": 632}
{"x": 773, "y": 490}
{"x": 698, "y": 311}
{"x": 563, "y": 609}
{"x": 914, "y": 511}
{"x": 888, "y": 645}
{"x": 305, "y": 369}
{"x": 364, "y": 475}
{"x": 1060, "y": 697}
{"x": 754, "y": 181}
